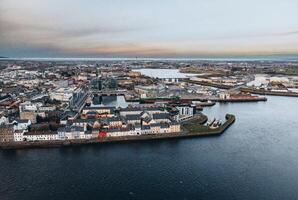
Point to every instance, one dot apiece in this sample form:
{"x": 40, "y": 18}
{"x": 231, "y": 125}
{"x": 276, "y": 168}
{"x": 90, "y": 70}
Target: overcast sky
{"x": 151, "y": 28}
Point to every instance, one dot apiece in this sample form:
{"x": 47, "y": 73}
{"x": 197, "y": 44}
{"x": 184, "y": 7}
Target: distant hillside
{"x": 3, "y": 57}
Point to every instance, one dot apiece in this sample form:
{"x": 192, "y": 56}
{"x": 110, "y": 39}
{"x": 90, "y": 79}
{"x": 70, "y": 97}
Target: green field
{"x": 194, "y": 126}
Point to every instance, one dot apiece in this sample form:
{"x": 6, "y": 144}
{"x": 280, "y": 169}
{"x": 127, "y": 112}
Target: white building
{"x": 40, "y": 136}
{"x": 64, "y": 94}
{"x": 4, "y": 120}
{"x": 73, "y": 132}
{"x": 29, "y": 106}
{"x": 136, "y": 110}
{"x": 19, "y": 125}
{"x": 186, "y": 110}
{"x": 224, "y": 95}
{"x": 156, "y": 128}
{"x": 18, "y": 135}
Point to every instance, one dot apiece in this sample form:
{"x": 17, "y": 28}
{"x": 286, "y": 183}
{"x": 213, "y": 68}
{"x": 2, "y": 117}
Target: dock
{"x": 268, "y": 92}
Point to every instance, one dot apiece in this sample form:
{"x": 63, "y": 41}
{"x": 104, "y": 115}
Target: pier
{"x": 268, "y": 92}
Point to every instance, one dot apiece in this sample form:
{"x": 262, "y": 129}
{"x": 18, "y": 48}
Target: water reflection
{"x": 110, "y": 101}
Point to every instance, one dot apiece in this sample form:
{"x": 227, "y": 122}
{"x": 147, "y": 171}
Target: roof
{"x": 173, "y": 122}
{"x": 41, "y": 133}
{"x": 147, "y": 119}
{"x": 137, "y": 125}
{"x": 155, "y": 125}
{"x": 91, "y": 113}
{"x": 146, "y": 127}
{"x": 142, "y": 109}
{"x": 99, "y": 108}
{"x": 68, "y": 114}
{"x": 71, "y": 129}
{"x": 81, "y": 121}
{"x": 117, "y": 130}
{"x": 160, "y": 116}
{"x": 133, "y": 117}
{"x": 164, "y": 126}
{"x": 22, "y": 121}
{"x": 6, "y": 126}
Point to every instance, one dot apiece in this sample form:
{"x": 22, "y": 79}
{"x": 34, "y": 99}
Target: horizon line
{"x": 283, "y": 57}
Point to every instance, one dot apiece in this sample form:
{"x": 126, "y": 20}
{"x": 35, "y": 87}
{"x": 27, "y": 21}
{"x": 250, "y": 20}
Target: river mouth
{"x": 256, "y": 158}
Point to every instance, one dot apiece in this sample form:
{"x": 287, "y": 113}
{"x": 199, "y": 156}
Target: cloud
{"x": 78, "y": 40}
{"x": 152, "y": 28}
{"x": 53, "y": 31}
{"x": 287, "y": 33}
{"x": 128, "y": 50}
{"x": 252, "y": 35}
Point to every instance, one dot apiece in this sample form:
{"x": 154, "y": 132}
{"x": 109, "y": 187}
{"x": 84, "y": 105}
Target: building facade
{"x": 6, "y": 134}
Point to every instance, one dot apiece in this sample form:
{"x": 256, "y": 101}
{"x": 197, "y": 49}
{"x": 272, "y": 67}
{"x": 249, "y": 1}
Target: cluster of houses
{"x": 138, "y": 121}
{"x": 14, "y": 131}
{"x": 29, "y": 110}
{"x": 126, "y": 121}
{"x": 95, "y": 121}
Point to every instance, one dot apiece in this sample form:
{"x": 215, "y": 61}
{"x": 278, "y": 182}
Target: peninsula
{"x": 69, "y": 102}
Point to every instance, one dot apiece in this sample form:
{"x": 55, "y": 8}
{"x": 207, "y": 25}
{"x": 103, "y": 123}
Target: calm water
{"x": 163, "y": 73}
{"x": 112, "y": 101}
{"x": 257, "y": 158}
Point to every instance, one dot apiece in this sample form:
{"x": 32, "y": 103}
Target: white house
{"x": 3, "y": 120}
{"x": 186, "y": 110}
{"x": 18, "y": 135}
{"x": 29, "y": 106}
{"x": 40, "y": 136}
{"x": 21, "y": 124}
{"x": 73, "y": 132}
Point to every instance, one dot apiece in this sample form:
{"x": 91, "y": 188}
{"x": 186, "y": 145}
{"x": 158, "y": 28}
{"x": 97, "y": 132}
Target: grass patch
{"x": 195, "y": 127}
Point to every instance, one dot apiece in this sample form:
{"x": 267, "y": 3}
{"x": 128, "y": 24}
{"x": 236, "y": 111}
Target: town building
{"x": 103, "y": 83}
{"x": 21, "y": 124}
{"x": 150, "y": 91}
{"x": 185, "y": 111}
{"x": 40, "y": 136}
{"x": 73, "y": 132}
{"x": 18, "y": 135}
{"x": 97, "y": 112}
{"x": 6, "y": 134}
{"x": 3, "y": 120}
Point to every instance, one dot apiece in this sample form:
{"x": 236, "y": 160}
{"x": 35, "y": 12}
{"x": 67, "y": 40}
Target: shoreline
{"x": 273, "y": 93}
{"x": 230, "y": 119}
{"x": 220, "y": 86}
{"x": 256, "y": 99}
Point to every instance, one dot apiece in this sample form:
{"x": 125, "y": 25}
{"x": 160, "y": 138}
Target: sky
{"x": 148, "y": 28}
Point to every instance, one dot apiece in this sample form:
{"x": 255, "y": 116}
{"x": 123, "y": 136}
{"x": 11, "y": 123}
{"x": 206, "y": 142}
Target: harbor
{"x": 148, "y": 100}
{"x": 124, "y": 104}
{"x": 238, "y": 159}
